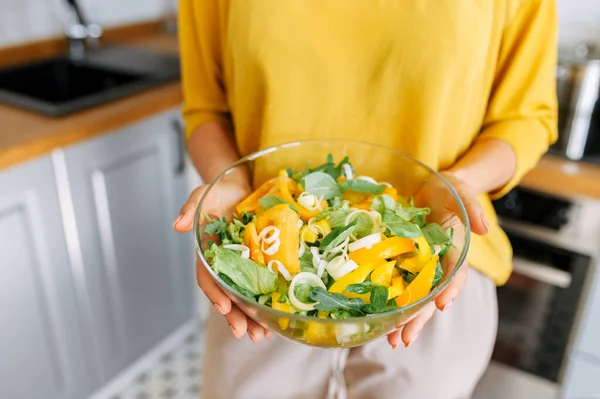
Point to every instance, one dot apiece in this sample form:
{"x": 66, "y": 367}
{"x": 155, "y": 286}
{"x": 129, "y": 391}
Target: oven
{"x": 554, "y": 240}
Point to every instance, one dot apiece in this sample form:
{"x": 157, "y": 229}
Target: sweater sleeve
{"x": 523, "y": 107}
{"x": 205, "y": 99}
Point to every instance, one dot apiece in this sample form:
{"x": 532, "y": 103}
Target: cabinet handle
{"x": 178, "y": 129}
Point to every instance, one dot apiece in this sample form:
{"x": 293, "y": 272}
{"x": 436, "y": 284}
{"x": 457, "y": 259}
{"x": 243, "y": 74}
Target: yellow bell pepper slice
{"x": 286, "y": 220}
{"x": 392, "y": 192}
{"x": 317, "y": 333}
{"x": 395, "y": 273}
{"x": 251, "y": 241}
{"x": 387, "y": 248}
{"x": 356, "y": 276}
{"x": 308, "y": 235}
{"x": 416, "y": 263}
{"x": 397, "y": 287}
{"x": 305, "y": 214}
{"x": 382, "y": 275}
{"x": 324, "y": 224}
{"x": 284, "y": 322}
{"x": 356, "y": 198}
{"x": 420, "y": 286}
{"x": 250, "y": 203}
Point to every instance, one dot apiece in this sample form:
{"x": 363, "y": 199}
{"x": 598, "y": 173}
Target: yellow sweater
{"x": 426, "y": 77}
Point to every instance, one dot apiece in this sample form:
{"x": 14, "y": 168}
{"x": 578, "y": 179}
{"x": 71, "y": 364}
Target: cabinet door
{"x": 126, "y": 190}
{"x": 40, "y": 341}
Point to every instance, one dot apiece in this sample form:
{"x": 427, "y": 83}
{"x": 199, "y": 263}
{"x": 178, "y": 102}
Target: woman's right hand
{"x": 222, "y": 201}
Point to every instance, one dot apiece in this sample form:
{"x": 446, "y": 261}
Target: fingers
{"x": 411, "y": 330}
{"x": 394, "y": 338}
{"x": 183, "y": 222}
{"x": 213, "y": 292}
{"x": 237, "y": 321}
{"x": 477, "y": 219}
{"x": 445, "y": 299}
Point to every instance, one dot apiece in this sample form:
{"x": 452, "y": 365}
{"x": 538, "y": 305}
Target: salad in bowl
{"x": 330, "y": 256}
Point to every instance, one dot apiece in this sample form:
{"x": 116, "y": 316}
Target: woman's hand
{"x": 221, "y": 201}
{"x": 445, "y": 213}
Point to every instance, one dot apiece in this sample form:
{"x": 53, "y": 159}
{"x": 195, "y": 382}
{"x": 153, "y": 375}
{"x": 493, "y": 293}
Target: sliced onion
{"x": 239, "y": 247}
{"x": 272, "y": 250}
{"x": 437, "y": 249}
{"x": 312, "y": 227}
{"x": 269, "y": 234}
{"x": 301, "y": 249}
{"x": 316, "y": 257}
{"x": 321, "y": 268}
{"x": 339, "y": 248}
{"x": 284, "y": 272}
{"x": 348, "y": 171}
{"x": 300, "y": 223}
{"x": 309, "y": 201}
{"x": 367, "y": 178}
{"x": 384, "y": 183}
{"x": 304, "y": 278}
{"x": 365, "y": 242}
{"x": 338, "y": 267}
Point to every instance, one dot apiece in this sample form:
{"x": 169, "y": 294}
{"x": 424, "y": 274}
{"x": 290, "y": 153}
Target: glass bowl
{"x": 411, "y": 177}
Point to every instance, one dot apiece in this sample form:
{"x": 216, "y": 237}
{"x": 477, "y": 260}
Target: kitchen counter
{"x": 26, "y": 135}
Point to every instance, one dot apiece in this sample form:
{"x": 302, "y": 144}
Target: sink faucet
{"x": 80, "y": 32}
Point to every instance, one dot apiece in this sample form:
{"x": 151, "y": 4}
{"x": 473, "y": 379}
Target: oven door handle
{"x": 543, "y": 273}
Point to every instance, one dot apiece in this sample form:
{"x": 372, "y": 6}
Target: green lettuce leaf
{"x": 322, "y": 185}
{"x": 244, "y": 273}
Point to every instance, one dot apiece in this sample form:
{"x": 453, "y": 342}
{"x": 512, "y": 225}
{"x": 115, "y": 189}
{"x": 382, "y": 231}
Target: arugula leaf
{"x": 333, "y": 301}
{"x": 269, "y": 201}
{"x": 243, "y": 272}
{"x": 379, "y": 298}
{"x": 337, "y": 214}
{"x": 331, "y": 168}
{"x": 435, "y": 234}
{"x": 247, "y": 218}
{"x": 449, "y": 244}
{"x": 302, "y": 292}
{"x": 407, "y": 276}
{"x": 361, "y": 186}
{"x": 386, "y": 308}
{"x": 361, "y": 288}
{"x": 343, "y": 314}
{"x": 322, "y": 185}
{"x": 236, "y": 287}
{"x": 439, "y": 273}
{"x": 337, "y": 236}
{"x": 400, "y": 226}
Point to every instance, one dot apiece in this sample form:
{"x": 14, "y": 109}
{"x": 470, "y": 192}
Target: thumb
{"x": 183, "y": 222}
{"x": 477, "y": 219}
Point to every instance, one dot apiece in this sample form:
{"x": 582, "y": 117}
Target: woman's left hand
{"x": 447, "y": 216}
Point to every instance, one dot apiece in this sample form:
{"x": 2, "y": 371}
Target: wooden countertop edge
{"x": 564, "y": 178}
{"x": 95, "y": 122}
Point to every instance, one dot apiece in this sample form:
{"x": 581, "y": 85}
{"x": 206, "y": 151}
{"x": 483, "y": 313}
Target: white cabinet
{"x": 92, "y": 273}
{"x": 126, "y": 190}
{"x": 41, "y": 345}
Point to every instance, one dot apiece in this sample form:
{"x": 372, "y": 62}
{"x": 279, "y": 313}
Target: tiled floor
{"x": 174, "y": 375}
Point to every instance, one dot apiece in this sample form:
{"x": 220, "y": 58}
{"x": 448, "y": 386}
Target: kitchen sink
{"x": 61, "y": 85}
